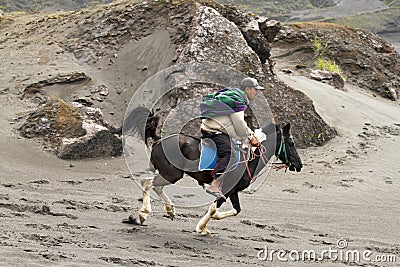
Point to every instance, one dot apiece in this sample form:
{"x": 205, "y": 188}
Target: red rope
{"x": 247, "y": 165}
{"x": 216, "y": 166}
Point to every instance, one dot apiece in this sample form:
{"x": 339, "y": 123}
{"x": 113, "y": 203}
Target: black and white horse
{"x": 142, "y": 121}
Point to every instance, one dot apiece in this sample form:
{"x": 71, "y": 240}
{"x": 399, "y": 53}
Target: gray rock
{"x": 99, "y": 141}
{"x": 387, "y": 90}
{"x": 72, "y": 131}
{"x": 270, "y": 28}
{"x": 333, "y": 78}
{"x": 337, "y": 81}
{"x": 258, "y": 31}
{"x": 216, "y": 39}
{"x": 321, "y": 75}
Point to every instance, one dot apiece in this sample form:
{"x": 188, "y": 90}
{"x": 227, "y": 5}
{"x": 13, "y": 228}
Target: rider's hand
{"x": 254, "y": 141}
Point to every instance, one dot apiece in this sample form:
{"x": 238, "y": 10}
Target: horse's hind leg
{"x": 201, "y": 227}
{"x": 159, "y": 183}
{"x": 219, "y": 215}
{"x": 144, "y": 212}
{"x": 168, "y": 205}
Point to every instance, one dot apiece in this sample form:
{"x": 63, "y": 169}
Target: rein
{"x": 262, "y": 149}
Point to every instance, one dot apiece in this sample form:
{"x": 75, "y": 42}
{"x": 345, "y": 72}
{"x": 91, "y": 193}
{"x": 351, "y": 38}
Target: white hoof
{"x": 203, "y": 231}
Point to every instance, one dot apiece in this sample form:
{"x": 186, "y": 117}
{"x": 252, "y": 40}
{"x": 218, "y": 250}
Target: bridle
{"x": 277, "y": 166}
{"x": 262, "y": 149}
{"x": 282, "y": 147}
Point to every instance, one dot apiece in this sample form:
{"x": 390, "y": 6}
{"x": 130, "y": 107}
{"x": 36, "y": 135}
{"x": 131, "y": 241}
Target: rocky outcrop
{"x": 366, "y": 59}
{"x": 72, "y": 131}
{"x": 214, "y": 38}
{"x": 209, "y": 41}
{"x": 258, "y": 31}
{"x": 72, "y": 87}
{"x": 202, "y": 31}
{"x": 99, "y": 141}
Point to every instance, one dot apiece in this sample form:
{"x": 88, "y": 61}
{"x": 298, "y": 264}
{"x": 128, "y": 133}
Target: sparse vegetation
{"x": 56, "y": 118}
{"x": 329, "y": 65}
{"x": 323, "y": 63}
{"x": 319, "y": 47}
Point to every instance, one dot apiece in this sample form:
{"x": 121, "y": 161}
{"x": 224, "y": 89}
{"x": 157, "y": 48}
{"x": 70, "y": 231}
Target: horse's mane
{"x": 142, "y": 121}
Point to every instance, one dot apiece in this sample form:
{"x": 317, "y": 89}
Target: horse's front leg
{"x": 201, "y": 227}
{"x": 146, "y": 207}
{"x": 234, "y": 197}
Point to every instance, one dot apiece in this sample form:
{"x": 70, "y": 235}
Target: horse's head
{"x": 286, "y": 149}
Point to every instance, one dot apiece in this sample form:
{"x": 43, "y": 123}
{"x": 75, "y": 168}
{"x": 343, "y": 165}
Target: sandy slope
{"x": 60, "y": 215}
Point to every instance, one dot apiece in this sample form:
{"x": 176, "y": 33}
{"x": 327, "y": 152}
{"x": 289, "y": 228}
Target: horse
{"x": 142, "y": 121}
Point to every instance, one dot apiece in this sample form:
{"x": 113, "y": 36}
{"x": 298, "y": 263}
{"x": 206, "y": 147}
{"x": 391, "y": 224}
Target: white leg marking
{"x": 201, "y": 227}
{"x": 168, "y": 205}
{"x": 146, "y": 207}
{"x": 224, "y": 214}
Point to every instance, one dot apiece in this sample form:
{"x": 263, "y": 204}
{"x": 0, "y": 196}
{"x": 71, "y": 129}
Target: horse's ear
{"x": 286, "y": 129}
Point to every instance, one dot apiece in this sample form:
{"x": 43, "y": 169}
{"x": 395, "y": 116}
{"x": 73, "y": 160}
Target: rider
{"x": 223, "y": 119}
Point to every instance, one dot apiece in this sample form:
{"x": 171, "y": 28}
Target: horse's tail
{"x": 142, "y": 121}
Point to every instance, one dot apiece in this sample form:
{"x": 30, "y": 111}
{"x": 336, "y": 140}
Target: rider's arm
{"x": 240, "y": 125}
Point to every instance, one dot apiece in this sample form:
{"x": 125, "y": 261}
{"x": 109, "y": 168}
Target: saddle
{"x": 209, "y": 156}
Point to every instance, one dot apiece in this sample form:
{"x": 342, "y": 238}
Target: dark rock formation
{"x": 366, "y": 59}
{"x": 72, "y": 131}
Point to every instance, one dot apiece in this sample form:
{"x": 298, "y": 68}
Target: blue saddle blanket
{"x": 208, "y": 155}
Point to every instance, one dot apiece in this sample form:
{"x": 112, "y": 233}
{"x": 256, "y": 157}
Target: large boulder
{"x": 72, "y": 131}
{"x": 214, "y": 38}
{"x": 100, "y": 140}
{"x": 332, "y": 78}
